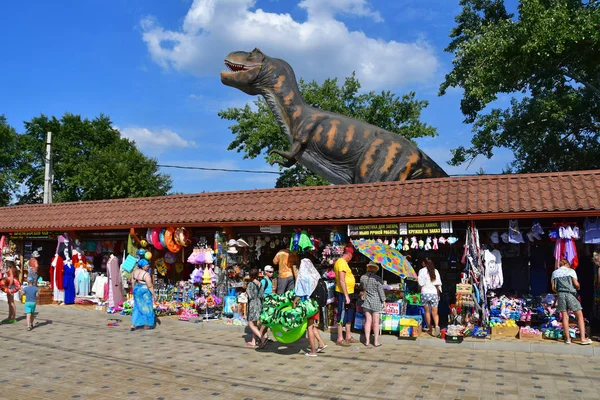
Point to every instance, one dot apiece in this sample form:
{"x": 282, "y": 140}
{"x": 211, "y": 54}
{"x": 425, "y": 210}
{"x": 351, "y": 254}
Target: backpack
{"x": 320, "y": 294}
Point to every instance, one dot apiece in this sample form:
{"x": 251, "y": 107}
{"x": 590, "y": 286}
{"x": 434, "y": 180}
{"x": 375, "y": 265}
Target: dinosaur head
{"x": 255, "y": 72}
{"x": 245, "y": 70}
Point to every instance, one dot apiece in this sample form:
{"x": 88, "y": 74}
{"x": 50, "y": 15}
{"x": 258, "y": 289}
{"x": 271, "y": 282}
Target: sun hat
{"x": 35, "y": 254}
{"x": 232, "y": 250}
{"x": 232, "y": 242}
{"x": 242, "y": 243}
{"x": 373, "y": 264}
{"x": 268, "y": 268}
{"x": 505, "y": 237}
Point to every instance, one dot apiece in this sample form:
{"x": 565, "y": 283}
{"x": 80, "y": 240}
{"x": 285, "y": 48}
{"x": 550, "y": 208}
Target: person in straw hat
{"x": 373, "y": 298}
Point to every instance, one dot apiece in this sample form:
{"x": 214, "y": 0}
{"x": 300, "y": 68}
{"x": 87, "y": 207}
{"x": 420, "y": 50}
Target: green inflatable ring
{"x": 287, "y": 336}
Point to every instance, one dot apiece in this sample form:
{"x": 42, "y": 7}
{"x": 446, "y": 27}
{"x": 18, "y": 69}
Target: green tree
{"x": 257, "y": 133}
{"x": 8, "y": 161}
{"x": 547, "y": 58}
{"x": 91, "y": 161}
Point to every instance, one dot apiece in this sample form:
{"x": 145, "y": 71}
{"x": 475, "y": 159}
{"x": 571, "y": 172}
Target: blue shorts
{"x": 345, "y": 312}
{"x": 30, "y": 307}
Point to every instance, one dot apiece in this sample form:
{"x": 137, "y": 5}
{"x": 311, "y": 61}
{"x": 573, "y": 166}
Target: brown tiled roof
{"x": 456, "y": 198}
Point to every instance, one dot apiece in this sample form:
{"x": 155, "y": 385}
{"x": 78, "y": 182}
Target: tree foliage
{"x": 8, "y": 161}
{"x": 90, "y": 162}
{"x": 547, "y": 58}
{"x": 257, "y": 133}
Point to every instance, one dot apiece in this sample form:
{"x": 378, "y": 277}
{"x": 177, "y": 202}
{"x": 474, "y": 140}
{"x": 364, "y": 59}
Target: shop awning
{"x": 551, "y": 195}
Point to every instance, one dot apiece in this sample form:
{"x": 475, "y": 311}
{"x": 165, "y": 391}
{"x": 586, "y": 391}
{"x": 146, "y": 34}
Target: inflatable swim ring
{"x": 173, "y": 246}
{"x": 287, "y": 336}
{"x": 161, "y": 237}
{"x": 156, "y": 239}
{"x": 8, "y": 288}
{"x": 149, "y": 235}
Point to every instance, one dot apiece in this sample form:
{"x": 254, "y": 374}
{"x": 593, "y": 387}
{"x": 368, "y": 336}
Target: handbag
{"x": 129, "y": 263}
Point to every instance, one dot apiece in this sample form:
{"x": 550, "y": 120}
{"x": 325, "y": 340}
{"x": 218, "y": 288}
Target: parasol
{"x": 389, "y": 258}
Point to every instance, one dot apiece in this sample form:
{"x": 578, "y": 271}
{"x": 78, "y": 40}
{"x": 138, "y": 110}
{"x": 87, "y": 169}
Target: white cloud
{"x": 155, "y": 141}
{"x": 317, "y": 48}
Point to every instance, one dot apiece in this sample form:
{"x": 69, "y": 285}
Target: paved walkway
{"x": 73, "y": 354}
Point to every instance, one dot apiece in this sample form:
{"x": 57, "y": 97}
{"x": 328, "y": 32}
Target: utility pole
{"x": 48, "y": 170}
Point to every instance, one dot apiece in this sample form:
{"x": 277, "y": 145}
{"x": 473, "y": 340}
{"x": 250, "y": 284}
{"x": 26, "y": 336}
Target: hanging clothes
{"x": 591, "y": 230}
{"x": 69, "y": 283}
{"x": 82, "y": 282}
{"x": 56, "y": 279}
{"x": 98, "y": 288}
{"x": 115, "y": 283}
{"x": 493, "y": 269}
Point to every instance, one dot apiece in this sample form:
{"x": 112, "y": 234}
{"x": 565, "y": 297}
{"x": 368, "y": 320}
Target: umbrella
{"x": 389, "y": 258}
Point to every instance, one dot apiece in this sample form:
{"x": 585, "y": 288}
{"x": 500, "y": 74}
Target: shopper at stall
{"x": 256, "y": 293}
{"x": 31, "y": 293}
{"x": 374, "y": 297}
{"x": 287, "y": 273}
{"x": 267, "y": 280}
{"x": 10, "y": 287}
{"x": 344, "y": 289}
{"x": 565, "y": 284}
{"x": 431, "y": 289}
{"x": 32, "y": 266}
{"x": 144, "y": 296}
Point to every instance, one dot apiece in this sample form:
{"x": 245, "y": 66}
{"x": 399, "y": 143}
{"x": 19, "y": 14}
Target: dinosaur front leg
{"x": 290, "y": 156}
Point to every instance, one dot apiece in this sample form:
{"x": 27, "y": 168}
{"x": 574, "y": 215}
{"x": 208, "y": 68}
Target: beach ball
{"x": 148, "y": 256}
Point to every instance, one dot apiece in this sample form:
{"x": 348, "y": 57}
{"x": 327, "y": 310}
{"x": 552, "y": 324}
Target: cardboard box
{"x": 530, "y": 337}
{"x": 499, "y": 332}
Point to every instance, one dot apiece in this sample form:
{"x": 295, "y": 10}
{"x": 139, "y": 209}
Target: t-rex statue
{"x": 338, "y": 148}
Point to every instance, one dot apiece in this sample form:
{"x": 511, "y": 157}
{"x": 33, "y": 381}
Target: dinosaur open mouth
{"x": 234, "y": 67}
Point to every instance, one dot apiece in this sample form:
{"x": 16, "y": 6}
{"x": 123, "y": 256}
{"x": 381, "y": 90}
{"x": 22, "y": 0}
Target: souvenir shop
{"x": 496, "y": 278}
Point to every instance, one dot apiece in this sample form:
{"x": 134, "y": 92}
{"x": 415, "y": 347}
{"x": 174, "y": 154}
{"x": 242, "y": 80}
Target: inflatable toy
{"x": 143, "y": 243}
{"x": 161, "y": 237}
{"x": 170, "y": 257}
{"x": 161, "y": 266}
{"x": 287, "y": 324}
{"x": 141, "y": 252}
{"x": 148, "y": 256}
{"x": 170, "y": 240}
{"x": 149, "y": 236}
{"x": 156, "y": 239}
{"x": 181, "y": 237}
{"x": 287, "y": 336}
{"x": 9, "y": 288}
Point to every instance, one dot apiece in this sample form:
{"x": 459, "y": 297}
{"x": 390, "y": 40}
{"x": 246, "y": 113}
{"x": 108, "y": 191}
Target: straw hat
{"x": 374, "y": 265}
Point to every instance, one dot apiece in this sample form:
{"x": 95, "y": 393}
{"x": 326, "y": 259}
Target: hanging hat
{"x": 35, "y": 254}
{"x": 242, "y": 243}
{"x": 530, "y": 236}
{"x": 505, "y": 237}
{"x": 232, "y": 250}
{"x": 232, "y": 242}
{"x": 495, "y": 237}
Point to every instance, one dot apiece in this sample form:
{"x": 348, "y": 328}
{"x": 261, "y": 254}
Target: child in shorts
{"x": 31, "y": 293}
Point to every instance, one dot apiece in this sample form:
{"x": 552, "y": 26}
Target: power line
{"x": 219, "y": 169}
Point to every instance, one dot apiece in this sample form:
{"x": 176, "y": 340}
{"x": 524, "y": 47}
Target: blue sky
{"x": 153, "y": 67}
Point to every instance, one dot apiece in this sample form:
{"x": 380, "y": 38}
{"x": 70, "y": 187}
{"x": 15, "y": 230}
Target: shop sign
{"x": 425, "y": 228}
{"x": 33, "y": 235}
{"x": 372, "y": 230}
{"x": 272, "y": 229}
{"x": 391, "y": 308}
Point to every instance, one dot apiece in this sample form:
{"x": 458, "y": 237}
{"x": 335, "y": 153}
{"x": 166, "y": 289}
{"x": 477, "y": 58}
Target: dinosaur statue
{"x": 338, "y": 148}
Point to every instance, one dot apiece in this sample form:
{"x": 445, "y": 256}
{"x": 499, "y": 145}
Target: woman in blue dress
{"x": 142, "y": 315}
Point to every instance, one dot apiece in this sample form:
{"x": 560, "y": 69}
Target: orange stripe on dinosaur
{"x": 390, "y": 157}
{"x": 289, "y": 98}
{"x": 279, "y": 83}
{"x": 331, "y": 134}
{"x": 412, "y": 160}
{"x": 364, "y": 167}
{"x": 318, "y": 134}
